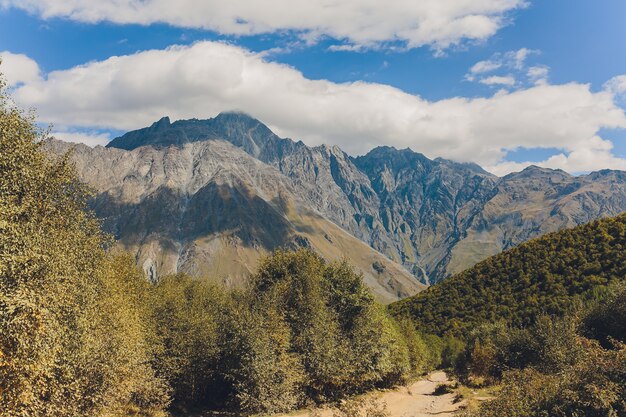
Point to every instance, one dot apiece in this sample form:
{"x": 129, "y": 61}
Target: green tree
{"x": 265, "y": 374}
{"x": 187, "y": 314}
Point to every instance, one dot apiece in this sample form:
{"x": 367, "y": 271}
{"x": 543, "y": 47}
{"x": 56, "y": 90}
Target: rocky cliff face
{"x": 434, "y": 217}
{"x": 209, "y": 209}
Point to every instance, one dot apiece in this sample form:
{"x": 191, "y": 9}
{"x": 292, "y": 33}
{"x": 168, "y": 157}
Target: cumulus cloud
{"x": 437, "y": 23}
{"x": 498, "y": 80}
{"x": 616, "y": 85}
{"x": 482, "y": 67}
{"x": 517, "y": 59}
{"x": 132, "y": 91}
{"x": 18, "y": 68}
{"x": 538, "y": 74}
{"x": 596, "y": 155}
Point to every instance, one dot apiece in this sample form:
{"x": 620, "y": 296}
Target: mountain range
{"x": 209, "y": 197}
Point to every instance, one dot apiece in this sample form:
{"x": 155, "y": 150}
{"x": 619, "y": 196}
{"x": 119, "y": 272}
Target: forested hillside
{"x": 573, "y": 365}
{"x": 542, "y": 276}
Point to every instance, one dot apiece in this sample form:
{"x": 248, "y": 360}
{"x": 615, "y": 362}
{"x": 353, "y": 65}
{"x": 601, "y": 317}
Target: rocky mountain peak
{"x": 388, "y": 158}
{"x": 237, "y": 128}
{"x": 162, "y": 124}
{"x": 537, "y": 171}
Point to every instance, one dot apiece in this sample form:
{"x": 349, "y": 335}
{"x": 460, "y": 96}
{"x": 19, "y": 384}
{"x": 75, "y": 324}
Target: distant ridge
{"x": 434, "y": 217}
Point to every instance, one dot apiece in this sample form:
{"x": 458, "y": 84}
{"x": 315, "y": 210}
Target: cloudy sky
{"x": 503, "y": 83}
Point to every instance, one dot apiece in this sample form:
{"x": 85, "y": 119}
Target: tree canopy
{"x": 543, "y": 276}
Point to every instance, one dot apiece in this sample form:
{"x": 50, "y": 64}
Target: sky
{"x": 502, "y": 83}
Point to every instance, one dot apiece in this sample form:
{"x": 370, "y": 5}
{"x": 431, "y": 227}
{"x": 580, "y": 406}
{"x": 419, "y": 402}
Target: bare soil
{"x": 415, "y": 400}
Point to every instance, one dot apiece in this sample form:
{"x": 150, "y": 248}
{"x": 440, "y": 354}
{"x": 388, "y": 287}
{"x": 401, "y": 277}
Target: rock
{"x": 179, "y": 182}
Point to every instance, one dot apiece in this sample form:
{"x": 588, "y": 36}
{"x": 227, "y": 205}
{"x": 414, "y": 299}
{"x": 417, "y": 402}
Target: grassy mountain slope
{"x": 542, "y": 276}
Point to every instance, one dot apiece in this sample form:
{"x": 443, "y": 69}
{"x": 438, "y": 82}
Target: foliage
{"x": 606, "y": 321}
{"x": 303, "y": 331}
{"x": 127, "y": 343}
{"x": 422, "y": 358}
{"x": 72, "y": 341}
{"x": 594, "y": 386}
{"x": 493, "y": 349}
{"x": 545, "y": 276}
{"x": 266, "y": 377}
{"x": 187, "y": 316}
{"x": 551, "y": 369}
{"x": 346, "y": 341}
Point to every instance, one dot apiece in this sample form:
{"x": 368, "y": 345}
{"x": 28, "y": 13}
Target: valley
{"x": 312, "y": 208}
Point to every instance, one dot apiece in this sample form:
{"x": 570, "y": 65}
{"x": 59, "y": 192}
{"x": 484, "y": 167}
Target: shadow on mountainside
{"x": 214, "y": 209}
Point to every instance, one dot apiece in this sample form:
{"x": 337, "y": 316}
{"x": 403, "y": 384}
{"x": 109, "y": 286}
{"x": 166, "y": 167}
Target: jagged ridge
{"x": 435, "y": 217}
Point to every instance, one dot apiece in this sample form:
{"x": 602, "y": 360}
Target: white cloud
{"x": 18, "y": 68}
{"x": 89, "y": 138}
{"x": 498, "y": 80}
{"x": 129, "y": 92}
{"x": 586, "y": 159}
{"x": 439, "y": 23}
{"x": 517, "y": 59}
{"x": 482, "y": 67}
{"x": 514, "y": 61}
{"x": 616, "y": 85}
{"x": 538, "y": 74}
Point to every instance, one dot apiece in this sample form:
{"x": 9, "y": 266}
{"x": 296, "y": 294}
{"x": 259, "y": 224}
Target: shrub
{"x": 420, "y": 356}
{"x": 607, "y": 320}
{"x": 265, "y": 375}
{"x": 452, "y": 350}
{"x": 594, "y": 386}
{"x": 493, "y": 349}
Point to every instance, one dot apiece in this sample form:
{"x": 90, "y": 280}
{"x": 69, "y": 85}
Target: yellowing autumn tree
{"x": 61, "y": 353}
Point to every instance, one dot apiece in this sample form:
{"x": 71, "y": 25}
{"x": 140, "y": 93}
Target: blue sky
{"x": 575, "y": 46}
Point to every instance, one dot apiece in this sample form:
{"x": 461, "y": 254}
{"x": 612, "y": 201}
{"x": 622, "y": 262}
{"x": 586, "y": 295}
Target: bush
{"x": 451, "y": 352}
{"x": 550, "y": 369}
{"x": 345, "y": 341}
{"x": 606, "y": 321}
{"x": 421, "y": 358}
{"x": 127, "y": 342}
{"x": 493, "y": 349}
{"x": 594, "y": 386}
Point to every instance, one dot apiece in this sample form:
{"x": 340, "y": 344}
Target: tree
{"x": 187, "y": 314}
{"x": 62, "y": 351}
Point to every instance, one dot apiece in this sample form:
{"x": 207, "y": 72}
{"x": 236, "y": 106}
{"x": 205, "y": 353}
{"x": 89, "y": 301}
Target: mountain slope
{"x": 434, "y": 217}
{"x": 210, "y": 209}
{"x": 540, "y": 276}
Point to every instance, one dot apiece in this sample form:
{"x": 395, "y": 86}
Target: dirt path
{"x": 415, "y": 400}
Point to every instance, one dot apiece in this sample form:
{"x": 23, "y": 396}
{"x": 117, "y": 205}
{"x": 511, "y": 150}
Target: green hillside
{"x": 542, "y": 276}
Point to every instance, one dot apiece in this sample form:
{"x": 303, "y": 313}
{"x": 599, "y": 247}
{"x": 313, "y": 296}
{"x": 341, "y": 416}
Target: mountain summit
{"x": 237, "y": 128}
